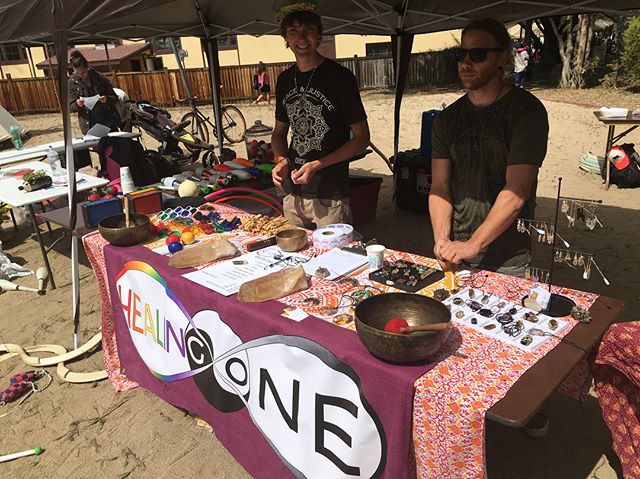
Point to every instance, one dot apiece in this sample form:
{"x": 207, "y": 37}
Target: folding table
{"x": 10, "y": 194}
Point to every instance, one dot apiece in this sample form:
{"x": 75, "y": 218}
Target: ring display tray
{"x": 406, "y": 276}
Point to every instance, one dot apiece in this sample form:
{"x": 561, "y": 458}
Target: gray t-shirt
{"x": 481, "y": 143}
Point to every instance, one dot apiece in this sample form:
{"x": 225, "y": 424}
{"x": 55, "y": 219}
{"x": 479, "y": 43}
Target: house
{"x": 109, "y": 57}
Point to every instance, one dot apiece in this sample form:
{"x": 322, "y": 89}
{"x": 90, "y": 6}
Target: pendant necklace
{"x": 295, "y": 82}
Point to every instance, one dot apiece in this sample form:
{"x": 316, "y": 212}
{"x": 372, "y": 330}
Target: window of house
{"x": 381, "y": 49}
{"x": 162, "y": 45}
{"x": 11, "y": 54}
{"x": 227, "y": 42}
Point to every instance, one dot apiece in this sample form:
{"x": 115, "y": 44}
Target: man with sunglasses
{"x": 487, "y": 149}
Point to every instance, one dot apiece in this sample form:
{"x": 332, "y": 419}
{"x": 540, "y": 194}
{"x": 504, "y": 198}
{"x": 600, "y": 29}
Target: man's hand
{"x": 280, "y": 171}
{"x": 437, "y": 250}
{"x": 303, "y": 175}
{"x": 102, "y": 99}
{"x": 80, "y": 103}
{"x": 456, "y": 252}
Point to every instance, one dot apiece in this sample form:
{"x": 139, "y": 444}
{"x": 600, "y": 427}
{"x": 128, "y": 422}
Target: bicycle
{"x": 233, "y": 123}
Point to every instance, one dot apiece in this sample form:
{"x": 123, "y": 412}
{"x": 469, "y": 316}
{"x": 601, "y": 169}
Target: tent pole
{"x": 60, "y": 39}
{"x": 214, "y": 69}
{"x": 185, "y": 81}
{"x": 53, "y": 77}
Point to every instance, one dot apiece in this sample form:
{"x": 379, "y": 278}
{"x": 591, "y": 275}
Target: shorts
{"x": 265, "y": 88}
{"x": 311, "y": 213}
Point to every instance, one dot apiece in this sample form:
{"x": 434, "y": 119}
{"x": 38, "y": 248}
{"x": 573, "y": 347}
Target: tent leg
{"x": 43, "y": 250}
{"x": 75, "y": 286}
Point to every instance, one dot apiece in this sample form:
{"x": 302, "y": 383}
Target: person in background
{"x": 520, "y": 64}
{"x": 264, "y": 84}
{"x": 487, "y": 149}
{"x": 319, "y": 100}
{"x": 87, "y": 82}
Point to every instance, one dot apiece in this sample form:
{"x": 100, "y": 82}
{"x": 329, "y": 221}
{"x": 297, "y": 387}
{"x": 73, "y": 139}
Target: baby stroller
{"x": 157, "y": 122}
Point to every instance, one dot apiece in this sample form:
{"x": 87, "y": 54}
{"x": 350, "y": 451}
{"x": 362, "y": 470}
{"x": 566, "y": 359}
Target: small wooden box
{"x": 94, "y": 211}
{"x": 145, "y": 201}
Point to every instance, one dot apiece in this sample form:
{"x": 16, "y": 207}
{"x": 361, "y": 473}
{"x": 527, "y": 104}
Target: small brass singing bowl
{"x": 373, "y": 313}
{"x": 115, "y": 231}
{"x": 291, "y": 240}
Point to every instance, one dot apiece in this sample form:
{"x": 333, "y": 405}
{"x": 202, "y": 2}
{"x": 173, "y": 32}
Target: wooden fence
{"x": 37, "y": 95}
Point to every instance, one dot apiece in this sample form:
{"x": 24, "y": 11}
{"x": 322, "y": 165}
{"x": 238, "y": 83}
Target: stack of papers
{"x": 337, "y": 262}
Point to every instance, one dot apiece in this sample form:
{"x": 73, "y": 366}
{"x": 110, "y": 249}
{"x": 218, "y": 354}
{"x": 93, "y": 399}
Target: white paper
{"x": 540, "y": 296}
{"x": 226, "y": 277}
{"x": 90, "y": 101}
{"x": 96, "y": 132}
{"x": 294, "y": 313}
{"x": 337, "y": 261}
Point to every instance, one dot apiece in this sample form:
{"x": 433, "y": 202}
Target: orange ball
{"x": 187, "y": 237}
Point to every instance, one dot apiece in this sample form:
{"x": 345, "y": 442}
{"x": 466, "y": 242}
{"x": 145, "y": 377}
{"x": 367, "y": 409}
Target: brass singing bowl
{"x": 115, "y": 231}
{"x": 374, "y": 312}
{"x": 291, "y": 240}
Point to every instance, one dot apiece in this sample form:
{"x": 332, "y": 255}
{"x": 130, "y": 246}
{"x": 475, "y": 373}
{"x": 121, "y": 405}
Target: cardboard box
{"x": 146, "y": 202}
{"x": 94, "y": 211}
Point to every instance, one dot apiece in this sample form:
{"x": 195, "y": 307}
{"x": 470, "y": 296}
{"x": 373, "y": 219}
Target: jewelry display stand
{"x": 545, "y": 232}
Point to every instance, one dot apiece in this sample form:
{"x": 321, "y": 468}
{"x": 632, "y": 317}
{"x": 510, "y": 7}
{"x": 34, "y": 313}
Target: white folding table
{"x": 10, "y": 194}
{"x": 11, "y": 157}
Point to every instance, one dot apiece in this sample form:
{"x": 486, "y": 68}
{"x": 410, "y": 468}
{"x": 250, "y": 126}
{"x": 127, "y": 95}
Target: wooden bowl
{"x": 291, "y": 240}
{"x": 374, "y": 312}
{"x": 113, "y": 229}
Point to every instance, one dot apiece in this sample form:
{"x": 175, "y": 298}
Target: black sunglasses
{"x": 477, "y": 55}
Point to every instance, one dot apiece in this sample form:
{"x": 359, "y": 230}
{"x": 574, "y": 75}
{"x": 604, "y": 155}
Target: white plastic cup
{"x": 375, "y": 255}
{"x": 126, "y": 181}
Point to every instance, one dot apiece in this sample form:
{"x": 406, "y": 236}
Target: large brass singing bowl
{"x": 291, "y": 240}
{"x": 374, "y": 312}
{"x": 114, "y": 230}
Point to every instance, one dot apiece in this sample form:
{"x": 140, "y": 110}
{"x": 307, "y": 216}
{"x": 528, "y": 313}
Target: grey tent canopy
{"x": 32, "y": 20}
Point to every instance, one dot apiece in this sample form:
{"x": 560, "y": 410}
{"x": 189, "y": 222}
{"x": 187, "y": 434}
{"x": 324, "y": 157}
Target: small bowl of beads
{"x": 380, "y": 319}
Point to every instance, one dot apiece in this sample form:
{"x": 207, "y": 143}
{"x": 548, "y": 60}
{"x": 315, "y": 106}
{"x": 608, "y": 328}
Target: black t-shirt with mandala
{"x": 319, "y": 113}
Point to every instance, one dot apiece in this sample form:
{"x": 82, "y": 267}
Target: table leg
{"x": 610, "y": 136}
{"x": 43, "y": 250}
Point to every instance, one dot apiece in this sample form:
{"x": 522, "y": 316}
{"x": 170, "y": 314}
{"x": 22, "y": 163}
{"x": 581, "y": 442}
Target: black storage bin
{"x": 411, "y": 180}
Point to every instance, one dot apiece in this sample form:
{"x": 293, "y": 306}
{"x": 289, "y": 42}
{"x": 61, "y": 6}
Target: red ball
{"x": 172, "y": 239}
{"x": 394, "y": 325}
{"x": 93, "y": 197}
{"x": 106, "y": 197}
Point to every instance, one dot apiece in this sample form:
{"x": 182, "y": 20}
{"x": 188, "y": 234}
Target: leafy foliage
{"x": 34, "y": 176}
{"x": 631, "y": 50}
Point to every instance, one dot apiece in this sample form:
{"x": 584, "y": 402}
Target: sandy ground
{"x": 88, "y": 430}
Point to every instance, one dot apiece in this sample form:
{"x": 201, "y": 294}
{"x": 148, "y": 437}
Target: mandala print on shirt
{"x": 309, "y": 127}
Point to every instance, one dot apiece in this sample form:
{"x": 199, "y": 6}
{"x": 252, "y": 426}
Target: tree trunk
{"x": 578, "y": 67}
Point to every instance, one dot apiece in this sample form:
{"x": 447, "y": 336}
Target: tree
{"x": 574, "y": 34}
{"x": 630, "y": 58}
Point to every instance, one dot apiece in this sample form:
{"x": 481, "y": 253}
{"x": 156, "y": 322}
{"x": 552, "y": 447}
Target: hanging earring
{"x": 565, "y": 206}
{"x": 527, "y": 274}
{"x": 575, "y": 259}
{"x": 591, "y": 222}
{"x": 567, "y": 257}
{"x": 581, "y": 260}
{"x": 587, "y": 268}
{"x": 574, "y": 211}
